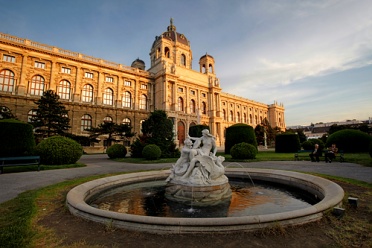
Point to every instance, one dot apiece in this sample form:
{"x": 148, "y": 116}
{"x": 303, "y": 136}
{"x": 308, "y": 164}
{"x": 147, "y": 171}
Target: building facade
{"x": 95, "y": 90}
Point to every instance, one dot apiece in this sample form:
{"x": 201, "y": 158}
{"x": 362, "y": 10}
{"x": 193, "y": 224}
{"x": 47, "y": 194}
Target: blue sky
{"x": 313, "y": 56}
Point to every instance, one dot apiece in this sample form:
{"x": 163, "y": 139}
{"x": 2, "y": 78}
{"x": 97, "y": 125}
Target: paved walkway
{"x": 11, "y": 184}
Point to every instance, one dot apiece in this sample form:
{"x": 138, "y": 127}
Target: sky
{"x": 314, "y": 56}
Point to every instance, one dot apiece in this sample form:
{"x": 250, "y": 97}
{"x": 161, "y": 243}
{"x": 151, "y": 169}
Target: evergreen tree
{"x": 112, "y": 130}
{"x": 51, "y": 116}
{"x": 5, "y": 113}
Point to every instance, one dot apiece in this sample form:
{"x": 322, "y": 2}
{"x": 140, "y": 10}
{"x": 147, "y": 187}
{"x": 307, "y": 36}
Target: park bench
{"x": 19, "y": 161}
{"x": 305, "y": 153}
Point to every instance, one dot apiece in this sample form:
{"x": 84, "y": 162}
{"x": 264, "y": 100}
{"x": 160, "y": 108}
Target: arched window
{"x": 231, "y": 117}
{"x": 126, "y": 121}
{"x": 204, "y": 108}
{"x": 64, "y": 89}
{"x": 108, "y": 97}
{"x": 210, "y": 68}
{"x": 167, "y": 52}
{"x": 127, "y": 100}
{"x": 238, "y": 117}
{"x": 107, "y": 119}
{"x": 260, "y": 119}
{"x": 183, "y": 59}
{"x": 250, "y": 119}
{"x": 255, "y": 119}
{"x": 6, "y": 80}
{"x": 141, "y": 122}
{"x": 86, "y": 122}
{"x": 192, "y": 107}
{"x": 87, "y": 93}
{"x": 224, "y": 114}
{"x": 180, "y": 104}
{"x": 32, "y": 113}
{"x": 37, "y": 85}
{"x": 143, "y": 102}
{"x": 244, "y": 118}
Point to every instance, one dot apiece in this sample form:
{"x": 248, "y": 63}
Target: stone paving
{"x": 12, "y": 184}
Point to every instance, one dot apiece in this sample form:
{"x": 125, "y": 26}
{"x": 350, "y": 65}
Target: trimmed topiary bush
{"x": 116, "y": 151}
{"x": 243, "y": 151}
{"x": 16, "y": 138}
{"x": 287, "y": 142}
{"x": 151, "y": 152}
{"x": 59, "y": 150}
{"x": 309, "y": 144}
{"x": 350, "y": 140}
{"x": 196, "y": 131}
{"x": 239, "y": 133}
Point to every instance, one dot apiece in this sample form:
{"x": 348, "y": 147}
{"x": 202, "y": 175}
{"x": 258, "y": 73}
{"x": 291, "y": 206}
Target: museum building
{"x": 94, "y": 90}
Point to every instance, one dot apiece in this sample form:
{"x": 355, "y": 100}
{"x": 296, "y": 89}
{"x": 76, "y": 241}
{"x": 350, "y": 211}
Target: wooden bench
{"x": 305, "y": 153}
{"x": 19, "y": 161}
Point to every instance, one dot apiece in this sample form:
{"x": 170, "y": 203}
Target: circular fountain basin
{"x": 331, "y": 195}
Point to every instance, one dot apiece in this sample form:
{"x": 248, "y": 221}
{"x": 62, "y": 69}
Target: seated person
{"x": 331, "y": 153}
{"x": 315, "y": 154}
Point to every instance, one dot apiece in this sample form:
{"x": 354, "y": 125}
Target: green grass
{"x": 23, "y": 168}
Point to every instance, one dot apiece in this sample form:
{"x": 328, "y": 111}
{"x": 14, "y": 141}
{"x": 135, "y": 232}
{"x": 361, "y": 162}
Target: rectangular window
{"x": 40, "y": 65}
{"x": 144, "y": 86}
{"x": 180, "y": 89}
{"x": 127, "y": 83}
{"x": 8, "y": 58}
{"x": 192, "y": 92}
{"x": 204, "y": 95}
{"x": 88, "y": 75}
{"x": 109, "y": 79}
{"x": 66, "y": 70}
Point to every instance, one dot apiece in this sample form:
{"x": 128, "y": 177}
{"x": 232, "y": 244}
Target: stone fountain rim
{"x": 332, "y": 192}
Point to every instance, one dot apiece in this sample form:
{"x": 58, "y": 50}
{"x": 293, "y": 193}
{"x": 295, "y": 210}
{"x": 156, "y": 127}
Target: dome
{"x": 172, "y": 35}
{"x": 140, "y": 64}
{"x": 206, "y": 55}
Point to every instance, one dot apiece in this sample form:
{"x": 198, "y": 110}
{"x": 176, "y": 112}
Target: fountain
{"x": 199, "y": 179}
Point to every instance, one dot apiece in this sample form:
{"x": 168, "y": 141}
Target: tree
{"x": 5, "y": 113}
{"x": 112, "y": 130}
{"x": 51, "y": 116}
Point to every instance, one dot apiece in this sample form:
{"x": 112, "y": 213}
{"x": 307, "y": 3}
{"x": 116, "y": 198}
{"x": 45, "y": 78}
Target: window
{"x": 231, "y": 117}
{"x": 144, "y": 86}
{"x": 88, "y": 75}
{"x": 109, "y": 79}
{"x": 192, "y": 106}
{"x": 192, "y": 92}
{"x": 40, "y": 65}
{"x": 204, "y": 108}
{"x": 64, "y": 89}
{"x": 127, "y": 83}
{"x": 238, "y": 117}
{"x": 245, "y": 118}
{"x": 66, "y": 70}
{"x": 143, "y": 102}
{"x": 107, "y": 119}
{"x": 31, "y": 114}
{"x": 86, "y": 122}
{"x": 108, "y": 97}
{"x": 250, "y": 119}
{"x": 6, "y": 80}
{"x": 180, "y": 104}
{"x": 167, "y": 52}
{"x": 87, "y": 93}
{"x": 183, "y": 59}
{"x": 180, "y": 89}
{"x": 126, "y": 121}
{"x": 127, "y": 100}
{"x": 8, "y": 58}
{"x": 204, "y": 95}
{"x": 37, "y": 85}
{"x": 224, "y": 114}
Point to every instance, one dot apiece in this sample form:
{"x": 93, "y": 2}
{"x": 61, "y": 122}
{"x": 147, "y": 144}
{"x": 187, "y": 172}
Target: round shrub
{"x": 59, "y": 150}
{"x": 151, "y": 152}
{"x": 243, "y": 151}
{"x": 350, "y": 140}
{"x": 239, "y": 133}
{"x": 287, "y": 142}
{"x": 309, "y": 144}
{"x": 116, "y": 151}
{"x": 17, "y": 138}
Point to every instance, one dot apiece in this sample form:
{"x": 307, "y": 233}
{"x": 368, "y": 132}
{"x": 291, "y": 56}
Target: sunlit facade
{"x": 94, "y": 90}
